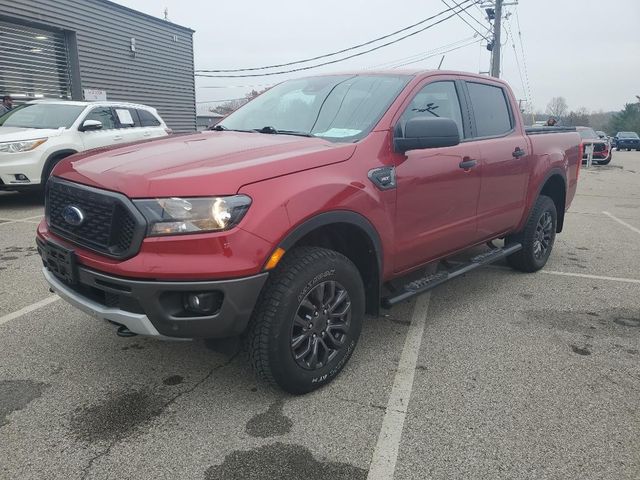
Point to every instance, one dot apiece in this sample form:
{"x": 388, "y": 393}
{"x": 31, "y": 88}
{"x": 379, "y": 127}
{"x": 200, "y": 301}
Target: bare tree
{"x": 557, "y": 107}
{"x": 232, "y": 105}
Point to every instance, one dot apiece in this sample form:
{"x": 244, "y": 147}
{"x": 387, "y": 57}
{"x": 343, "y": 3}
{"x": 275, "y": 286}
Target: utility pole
{"x": 497, "y": 30}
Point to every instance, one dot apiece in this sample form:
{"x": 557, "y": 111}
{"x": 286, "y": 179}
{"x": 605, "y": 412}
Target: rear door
{"x": 109, "y": 134}
{"x": 436, "y": 196}
{"x": 129, "y": 124}
{"x": 504, "y": 157}
{"x": 152, "y": 127}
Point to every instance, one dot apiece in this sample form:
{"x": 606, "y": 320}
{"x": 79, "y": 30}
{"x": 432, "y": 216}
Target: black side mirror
{"x": 427, "y": 132}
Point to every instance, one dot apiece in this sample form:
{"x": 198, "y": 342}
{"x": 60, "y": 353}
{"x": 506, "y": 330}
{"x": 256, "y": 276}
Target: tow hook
{"x": 125, "y": 332}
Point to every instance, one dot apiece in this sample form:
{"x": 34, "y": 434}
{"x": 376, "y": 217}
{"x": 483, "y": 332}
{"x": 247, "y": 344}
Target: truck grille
{"x": 110, "y": 224}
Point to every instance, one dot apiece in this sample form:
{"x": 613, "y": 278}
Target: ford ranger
{"x": 287, "y": 223}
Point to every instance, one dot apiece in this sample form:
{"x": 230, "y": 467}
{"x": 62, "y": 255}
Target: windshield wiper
{"x": 222, "y": 128}
{"x": 274, "y": 131}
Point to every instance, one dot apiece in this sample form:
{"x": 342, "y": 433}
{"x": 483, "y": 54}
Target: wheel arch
{"x": 350, "y": 234}
{"x": 554, "y": 186}
{"x": 54, "y": 158}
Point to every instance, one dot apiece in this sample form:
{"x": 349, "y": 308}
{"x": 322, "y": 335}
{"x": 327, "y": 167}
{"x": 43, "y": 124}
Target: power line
{"x": 438, "y": 52}
{"x": 339, "y": 59}
{"x": 515, "y": 52}
{"x": 392, "y": 63}
{"x": 465, "y": 21}
{"x": 524, "y": 58}
{"x": 306, "y": 60}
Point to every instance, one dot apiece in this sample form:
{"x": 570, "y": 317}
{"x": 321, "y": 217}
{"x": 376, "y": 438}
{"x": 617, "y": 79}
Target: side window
{"x": 490, "y": 109}
{"x": 147, "y": 119}
{"x": 104, "y": 115}
{"x": 438, "y": 99}
{"x": 127, "y": 117}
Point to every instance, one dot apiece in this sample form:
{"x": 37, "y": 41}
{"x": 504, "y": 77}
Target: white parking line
{"x": 29, "y": 308}
{"x": 622, "y": 222}
{"x": 385, "y": 455}
{"x": 594, "y": 277}
{"x": 7, "y": 221}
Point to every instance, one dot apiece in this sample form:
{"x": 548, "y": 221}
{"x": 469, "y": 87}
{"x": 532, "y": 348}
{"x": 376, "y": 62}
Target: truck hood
{"x": 207, "y": 163}
{"x": 16, "y": 134}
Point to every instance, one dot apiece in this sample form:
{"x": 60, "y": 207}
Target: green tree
{"x": 627, "y": 119}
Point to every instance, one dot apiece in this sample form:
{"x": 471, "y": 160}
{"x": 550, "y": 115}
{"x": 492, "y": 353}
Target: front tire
{"x": 307, "y": 321}
{"x": 536, "y": 238}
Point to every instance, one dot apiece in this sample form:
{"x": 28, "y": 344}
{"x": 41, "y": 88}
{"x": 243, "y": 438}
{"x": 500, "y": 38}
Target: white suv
{"x": 37, "y": 135}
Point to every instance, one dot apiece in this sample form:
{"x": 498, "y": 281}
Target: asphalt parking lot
{"x": 497, "y": 375}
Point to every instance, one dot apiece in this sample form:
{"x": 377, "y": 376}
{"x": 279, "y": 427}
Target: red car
{"x": 287, "y": 223}
{"x": 601, "y": 146}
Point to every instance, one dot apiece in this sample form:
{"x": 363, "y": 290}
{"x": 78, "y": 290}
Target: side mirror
{"x": 89, "y": 125}
{"x": 427, "y": 132}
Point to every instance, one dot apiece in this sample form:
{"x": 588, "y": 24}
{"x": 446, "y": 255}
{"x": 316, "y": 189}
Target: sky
{"x": 586, "y": 51}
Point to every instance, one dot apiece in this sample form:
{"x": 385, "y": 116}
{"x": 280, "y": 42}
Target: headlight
{"x": 23, "y": 146}
{"x": 171, "y": 216}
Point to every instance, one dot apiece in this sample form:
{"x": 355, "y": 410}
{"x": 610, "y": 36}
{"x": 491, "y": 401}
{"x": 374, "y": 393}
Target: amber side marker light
{"x": 275, "y": 257}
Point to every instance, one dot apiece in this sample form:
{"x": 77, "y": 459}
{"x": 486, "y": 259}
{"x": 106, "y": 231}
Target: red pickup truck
{"x": 287, "y": 223}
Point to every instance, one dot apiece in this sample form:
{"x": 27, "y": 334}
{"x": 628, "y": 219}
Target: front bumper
{"x": 29, "y": 164}
{"x": 153, "y": 307}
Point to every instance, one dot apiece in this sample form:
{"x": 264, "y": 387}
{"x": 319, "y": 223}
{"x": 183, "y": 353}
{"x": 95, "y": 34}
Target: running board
{"x": 429, "y": 282}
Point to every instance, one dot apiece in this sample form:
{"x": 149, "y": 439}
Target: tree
{"x": 557, "y": 107}
{"x": 232, "y": 105}
{"x": 626, "y": 120}
{"x": 578, "y": 118}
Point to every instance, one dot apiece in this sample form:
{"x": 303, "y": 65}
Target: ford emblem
{"x": 72, "y": 215}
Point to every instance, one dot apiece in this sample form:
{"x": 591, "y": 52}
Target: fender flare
{"x": 60, "y": 154}
{"x": 344, "y": 217}
{"x": 554, "y": 171}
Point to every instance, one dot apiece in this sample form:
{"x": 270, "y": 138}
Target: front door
{"x": 436, "y": 195}
{"x": 109, "y": 134}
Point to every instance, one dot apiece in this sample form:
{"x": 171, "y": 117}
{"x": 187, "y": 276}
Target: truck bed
{"x": 545, "y": 130}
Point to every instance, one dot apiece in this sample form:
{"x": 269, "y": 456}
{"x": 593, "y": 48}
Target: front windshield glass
{"x": 41, "y": 115}
{"x": 340, "y": 108}
{"x": 587, "y": 133}
{"x": 628, "y": 135}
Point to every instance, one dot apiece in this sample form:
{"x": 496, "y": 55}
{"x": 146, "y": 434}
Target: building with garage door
{"x": 97, "y": 50}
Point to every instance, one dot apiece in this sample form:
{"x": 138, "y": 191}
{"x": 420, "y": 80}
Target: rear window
{"x": 490, "y": 109}
{"x": 588, "y": 133}
{"x": 148, "y": 119}
{"x": 627, "y": 135}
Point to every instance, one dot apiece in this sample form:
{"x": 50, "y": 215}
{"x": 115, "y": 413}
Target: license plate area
{"x": 60, "y": 261}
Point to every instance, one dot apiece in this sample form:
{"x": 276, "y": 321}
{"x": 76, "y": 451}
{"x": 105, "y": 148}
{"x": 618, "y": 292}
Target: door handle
{"x": 117, "y": 137}
{"x": 147, "y": 134}
{"x": 518, "y": 152}
{"x": 468, "y": 163}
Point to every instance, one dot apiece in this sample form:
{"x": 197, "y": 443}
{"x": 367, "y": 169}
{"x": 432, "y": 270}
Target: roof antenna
{"x": 166, "y": 13}
{"x": 441, "y": 60}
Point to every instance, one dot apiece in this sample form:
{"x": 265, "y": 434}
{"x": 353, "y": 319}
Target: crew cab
{"x": 35, "y": 136}
{"x": 294, "y": 216}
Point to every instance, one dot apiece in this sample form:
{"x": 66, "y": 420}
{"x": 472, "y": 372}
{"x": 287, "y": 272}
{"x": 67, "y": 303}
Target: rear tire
{"x": 536, "y": 238}
{"x": 307, "y": 321}
{"x": 606, "y": 161}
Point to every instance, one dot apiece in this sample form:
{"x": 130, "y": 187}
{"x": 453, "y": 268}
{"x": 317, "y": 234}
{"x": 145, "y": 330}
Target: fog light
{"x": 202, "y": 303}
{"x": 20, "y": 177}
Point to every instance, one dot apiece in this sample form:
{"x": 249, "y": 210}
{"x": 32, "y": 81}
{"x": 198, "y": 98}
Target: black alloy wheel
{"x": 320, "y": 326}
{"x": 543, "y": 235}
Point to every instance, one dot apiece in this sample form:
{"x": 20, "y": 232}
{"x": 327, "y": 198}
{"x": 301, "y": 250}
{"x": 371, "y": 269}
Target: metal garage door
{"x": 33, "y": 63}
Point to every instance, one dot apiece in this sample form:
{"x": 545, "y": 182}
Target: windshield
{"x": 41, "y": 115}
{"x": 587, "y": 133}
{"x": 627, "y": 135}
{"x": 341, "y": 108}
